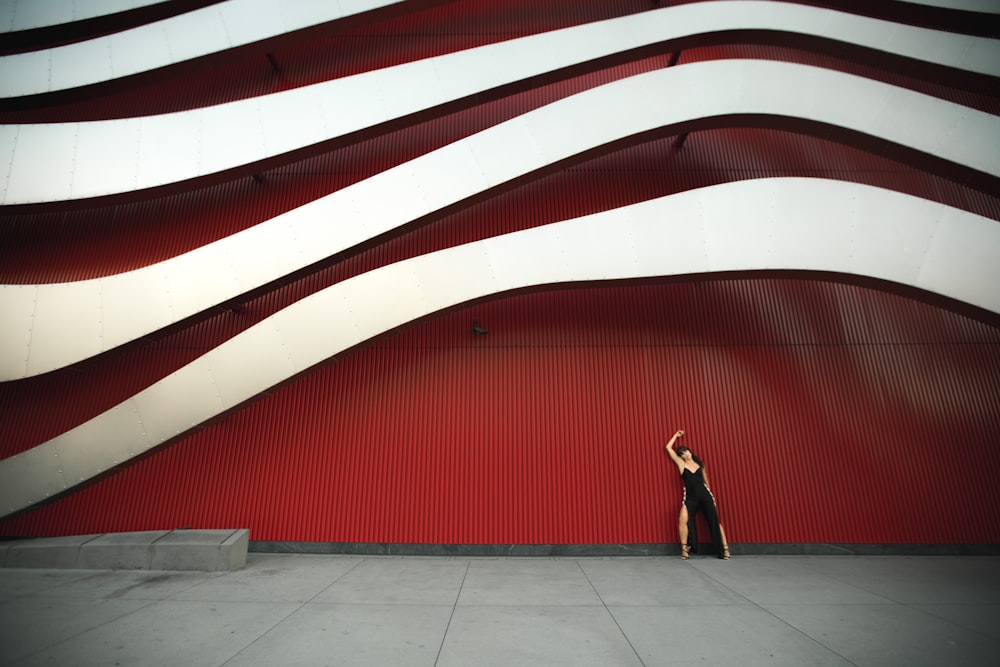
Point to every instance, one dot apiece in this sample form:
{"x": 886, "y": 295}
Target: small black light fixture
{"x": 478, "y": 330}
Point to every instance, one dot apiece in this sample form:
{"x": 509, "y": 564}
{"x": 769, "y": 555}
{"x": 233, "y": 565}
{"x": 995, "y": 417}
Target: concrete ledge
{"x": 52, "y": 552}
{"x": 207, "y": 550}
{"x": 203, "y": 550}
{"x": 118, "y": 551}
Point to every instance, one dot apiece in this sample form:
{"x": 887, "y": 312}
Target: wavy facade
{"x": 447, "y": 273}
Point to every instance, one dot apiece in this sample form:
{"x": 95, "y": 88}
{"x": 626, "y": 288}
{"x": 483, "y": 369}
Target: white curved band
{"x": 66, "y": 161}
{"x": 110, "y": 311}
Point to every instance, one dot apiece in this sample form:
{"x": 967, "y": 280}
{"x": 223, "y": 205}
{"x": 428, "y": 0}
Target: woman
{"x": 697, "y": 496}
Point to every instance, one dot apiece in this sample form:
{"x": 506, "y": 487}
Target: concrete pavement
{"x": 298, "y": 609}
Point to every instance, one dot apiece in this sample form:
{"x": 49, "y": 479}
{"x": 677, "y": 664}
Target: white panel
{"x": 17, "y": 303}
{"x": 199, "y": 279}
{"x": 479, "y": 68}
{"x": 25, "y": 73}
{"x": 317, "y": 327}
{"x": 323, "y": 226}
{"x": 984, "y": 6}
{"x": 179, "y": 401}
{"x": 915, "y": 126}
{"x": 194, "y": 34}
{"x": 292, "y": 120}
{"x": 42, "y": 167}
{"x": 597, "y": 247}
{"x": 31, "y": 14}
{"x": 465, "y": 274}
{"x": 302, "y": 13}
{"x": 8, "y": 141}
{"x": 355, "y": 102}
{"x": 771, "y": 94}
{"x": 934, "y": 126}
{"x": 979, "y": 55}
{"x": 892, "y": 234}
{"x": 740, "y": 229}
{"x": 247, "y": 21}
{"x": 297, "y": 14}
{"x": 969, "y": 139}
{"x": 134, "y": 51}
{"x": 169, "y": 148}
{"x": 508, "y": 150}
{"x": 264, "y": 252}
{"x": 53, "y": 343}
{"x": 960, "y": 246}
{"x": 588, "y": 119}
{"x": 518, "y": 264}
{"x": 7, "y": 10}
{"x": 80, "y": 64}
{"x": 233, "y": 138}
{"x": 384, "y": 202}
{"x": 414, "y": 85}
{"x": 133, "y": 304}
{"x": 807, "y": 235}
{"x": 837, "y": 97}
{"x": 383, "y": 299}
{"x": 42, "y": 13}
{"x": 85, "y": 9}
{"x": 250, "y": 362}
{"x": 669, "y": 239}
{"x": 30, "y": 477}
{"x": 108, "y": 153}
{"x": 440, "y": 178}
{"x": 101, "y": 444}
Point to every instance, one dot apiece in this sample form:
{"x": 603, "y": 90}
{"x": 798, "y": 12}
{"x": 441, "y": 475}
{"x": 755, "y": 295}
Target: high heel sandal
{"x": 725, "y": 553}
{"x": 685, "y": 551}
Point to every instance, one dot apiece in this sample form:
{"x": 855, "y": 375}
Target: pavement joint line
{"x": 286, "y": 616}
{"x": 807, "y": 564}
{"x": 611, "y": 614}
{"x": 149, "y": 603}
{"x": 775, "y": 616}
{"x": 952, "y": 622}
{"x": 444, "y": 636}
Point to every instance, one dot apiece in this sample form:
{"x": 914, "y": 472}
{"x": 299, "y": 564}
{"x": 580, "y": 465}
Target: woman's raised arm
{"x": 670, "y": 449}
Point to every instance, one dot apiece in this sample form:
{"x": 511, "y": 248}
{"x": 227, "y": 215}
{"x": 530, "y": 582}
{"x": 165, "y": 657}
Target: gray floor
{"x": 355, "y": 610}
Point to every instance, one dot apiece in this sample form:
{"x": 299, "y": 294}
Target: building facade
{"x": 451, "y": 273}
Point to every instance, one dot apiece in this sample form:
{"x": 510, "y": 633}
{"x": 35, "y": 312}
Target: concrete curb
{"x": 201, "y": 550}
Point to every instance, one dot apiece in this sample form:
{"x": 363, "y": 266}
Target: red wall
{"x": 825, "y": 413}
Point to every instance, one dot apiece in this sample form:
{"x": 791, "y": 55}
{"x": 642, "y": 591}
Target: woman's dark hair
{"x": 682, "y": 449}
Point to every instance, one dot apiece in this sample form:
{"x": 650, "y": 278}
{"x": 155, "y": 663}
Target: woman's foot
{"x": 725, "y": 552}
{"x": 685, "y": 551}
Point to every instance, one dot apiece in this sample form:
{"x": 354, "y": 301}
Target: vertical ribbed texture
{"x": 822, "y": 411}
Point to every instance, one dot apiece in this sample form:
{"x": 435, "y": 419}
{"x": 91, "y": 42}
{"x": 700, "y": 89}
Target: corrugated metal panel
{"x": 550, "y": 429}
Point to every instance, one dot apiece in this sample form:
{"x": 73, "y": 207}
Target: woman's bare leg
{"x": 682, "y": 529}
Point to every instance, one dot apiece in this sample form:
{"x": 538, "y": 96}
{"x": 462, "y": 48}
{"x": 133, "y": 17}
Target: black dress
{"x": 698, "y": 497}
